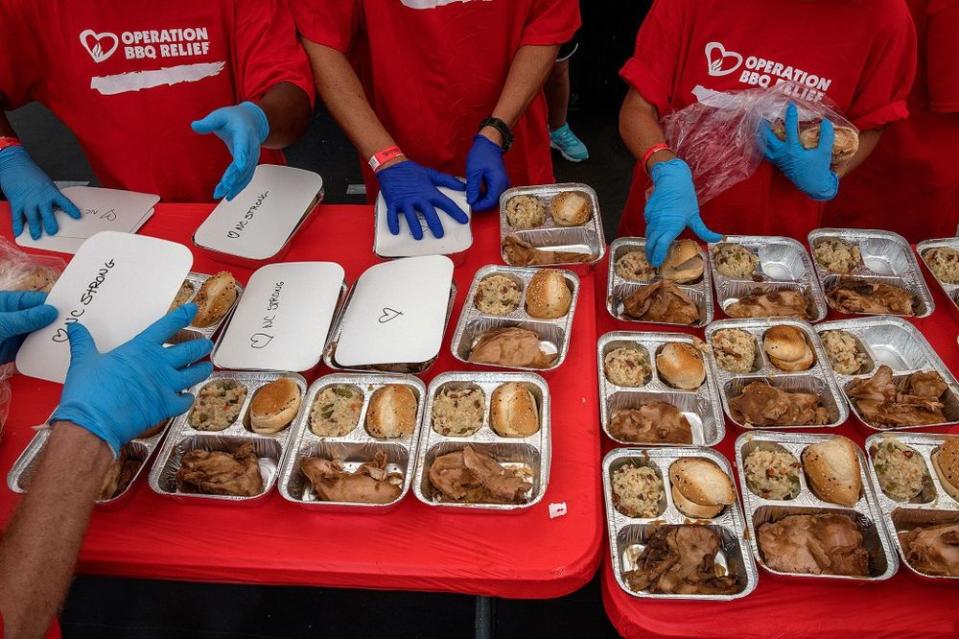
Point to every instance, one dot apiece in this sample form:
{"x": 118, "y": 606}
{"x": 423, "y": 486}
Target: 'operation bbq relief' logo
{"x": 754, "y": 71}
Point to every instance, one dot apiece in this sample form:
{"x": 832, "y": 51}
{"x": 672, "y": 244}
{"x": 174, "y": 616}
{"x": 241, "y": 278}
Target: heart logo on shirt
{"x": 100, "y": 46}
{"x": 389, "y": 315}
{"x": 720, "y": 62}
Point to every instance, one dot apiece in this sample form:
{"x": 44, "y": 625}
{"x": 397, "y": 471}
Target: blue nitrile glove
{"x": 118, "y": 395}
{"x": 21, "y": 313}
{"x": 809, "y": 169}
{"x": 484, "y": 167}
{"x": 33, "y": 195}
{"x": 408, "y": 187}
{"x": 243, "y": 128}
{"x": 671, "y": 208}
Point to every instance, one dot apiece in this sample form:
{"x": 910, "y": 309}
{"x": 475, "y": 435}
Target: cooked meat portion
{"x": 469, "y": 476}
{"x": 370, "y": 484}
{"x": 520, "y": 253}
{"x": 761, "y": 404}
{"x": 786, "y": 303}
{"x": 219, "y": 472}
{"x": 852, "y": 295}
{"x": 932, "y": 550}
{"x": 511, "y": 347}
{"x": 662, "y": 302}
{"x": 651, "y": 423}
{"x": 681, "y": 560}
{"x": 914, "y": 401}
{"x": 119, "y": 475}
{"x": 827, "y": 544}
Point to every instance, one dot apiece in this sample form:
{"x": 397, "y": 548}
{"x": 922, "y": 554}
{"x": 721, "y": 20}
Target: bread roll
{"x": 786, "y": 343}
{"x": 832, "y": 467}
{"x": 683, "y": 263}
{"x": 946, "y": 462}
{"x": 571, "y": 208}
{"x": 514, "y": 412}
{"x": 392, "y": 412}
{"x": 700, "y": 488}
{"x": 548, "y": 296}
{"x": 803, "y": 364}
{"x": 214, "y": 299}
{"x": 274, "y": 406}
{"x": 681, "y": 365}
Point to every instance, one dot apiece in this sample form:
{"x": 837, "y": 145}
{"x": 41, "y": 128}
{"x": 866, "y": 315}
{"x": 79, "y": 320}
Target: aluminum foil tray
{"x": 196, "y": 280}
{"x": 950, "y": 289}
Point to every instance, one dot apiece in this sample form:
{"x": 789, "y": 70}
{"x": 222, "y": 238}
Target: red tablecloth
{"x": 526, "y": 555}
{"x": 900, "y": 607}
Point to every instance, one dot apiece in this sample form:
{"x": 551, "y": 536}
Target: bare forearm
{"x": 39, "y": 549}
{"x": 529, "y": 70}
{"x": 640, "y": 129}
{"x": 867, "y": 143}
{"x": 287, "y": 108}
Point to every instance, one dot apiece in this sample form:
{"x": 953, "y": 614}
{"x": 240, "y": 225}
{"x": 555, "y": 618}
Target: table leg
{"x": 483, "y": 622}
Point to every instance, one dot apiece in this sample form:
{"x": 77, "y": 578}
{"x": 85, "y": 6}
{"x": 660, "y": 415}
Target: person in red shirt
{"x": 910, "y": 184}
{"x": 861, "y": 55}
{"x": 128, "y": 76}
{"x": 448, "y": 87}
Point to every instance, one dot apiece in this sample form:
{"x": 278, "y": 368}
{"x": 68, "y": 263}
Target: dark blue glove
{"x": 33, "y": 195}
{"x": 408, "y": 187}
{"x": 809, "y": 169}
{"x": 671, "y": 208}
{"x": 21, "y": 313}
{"x": 484, "y": 167}
{"x": 118, "y": 395}
{"x": 243, "y": 128}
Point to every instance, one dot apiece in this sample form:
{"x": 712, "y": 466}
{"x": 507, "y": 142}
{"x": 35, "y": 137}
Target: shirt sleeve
{"x": 267, "y": 50}
{"x": 20, "y": 53}
{"x": 943, "y": 56}
{"x": 551, "y": 22}
{"x": 652, "y": 69}
{"x": 889, "y": 71}
{"x": 332, "y": 23}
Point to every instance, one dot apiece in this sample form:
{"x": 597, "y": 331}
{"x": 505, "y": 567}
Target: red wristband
{"x": 656, "y": 148}
{"x": 380, "y": 158}
{"x": 7, "y": 142}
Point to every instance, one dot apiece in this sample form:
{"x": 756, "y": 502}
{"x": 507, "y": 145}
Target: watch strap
{"x": 503, "y": 129}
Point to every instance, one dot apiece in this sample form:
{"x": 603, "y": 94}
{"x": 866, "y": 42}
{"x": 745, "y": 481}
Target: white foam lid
{"x": 457, "y": 237}
{"x": 283, "y": 318}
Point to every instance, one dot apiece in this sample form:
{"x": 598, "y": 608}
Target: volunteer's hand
{"x": 118, "y": 395}
{"x": 21, "y": 313}
{"x": 484, "y": 167}
{"x": 33, "y": 195}
{"x": 671, "y": 208}
{"x": 243, "y": 128}
{"x": 809, "y": 169}
{"x": 408, "y": 187}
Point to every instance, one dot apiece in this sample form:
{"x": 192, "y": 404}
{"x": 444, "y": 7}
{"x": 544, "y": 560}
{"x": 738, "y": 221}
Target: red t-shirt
{"x": 910, "y": 184}
{"x": 859, "y": 53}
{"x": 434, "y": 69}
{"x": 128, "y": 77}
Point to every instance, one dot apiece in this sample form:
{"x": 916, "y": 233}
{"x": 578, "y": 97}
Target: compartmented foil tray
{"x": 701, "y": 407}
{"x": 628, "y": 535}
{"x": 586, "y": 238}
{"x": 784, "y": 264}
{"x": 618, "y": 288}
{"x": 883, "y": 561}
{"x": 554, "y": 334}
{"x": 353, "y": 449}
{"x": 401, "y": 368}
{"x": 196, "y": 280}
{"x": 140, "y": 449}
{"x": 818, "y": 379}
{"x": 182, "y": 438}
{"x": 950, "y": 289}
{"x": 887, "y": 258}
{"x": 528, "y": 457}
{"x": 933, "y": 505}
{"x": 898, "y": 344}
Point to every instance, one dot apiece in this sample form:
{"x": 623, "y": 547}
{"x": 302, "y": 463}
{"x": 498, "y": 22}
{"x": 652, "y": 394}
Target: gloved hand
{"x": 32, "y": 194}
{"x": 809, "y": 169}
{"x": 484, "y": 167}
{"x": 408, "y": 187}
{"x": 243, "y": 128}
{"x": 21, "y": 313}
{"x": 118, "y": 395}
{"x": 671, "y": 208}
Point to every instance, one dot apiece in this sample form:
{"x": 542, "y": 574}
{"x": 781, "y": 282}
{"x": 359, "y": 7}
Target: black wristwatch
{"x": 503, "y": 129}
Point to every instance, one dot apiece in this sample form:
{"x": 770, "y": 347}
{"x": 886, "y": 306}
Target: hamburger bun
{"x": 683, "y": 263}
{"x": 946, "y": 462}
{"x": 514, "y": 412}
{"x": 571, "y": 208}
{"x": 548, "y": 296}
{"x": 274, "y": 406}
{"x": 681, "y": 365}
{"x": 700, "y": 488}
{"x": 785, "y": 343}
{"x": 832, "y": 467}
{"x": 214, "y": 299}
{"x": 392, "y": 412}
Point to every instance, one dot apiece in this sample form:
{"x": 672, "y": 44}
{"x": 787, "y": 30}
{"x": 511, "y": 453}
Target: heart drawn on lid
{"x": 100, "y": 46}
{"x": 720, "y": 62}
{"x": 260, "y": 340}
{"x": 389, "y": 315}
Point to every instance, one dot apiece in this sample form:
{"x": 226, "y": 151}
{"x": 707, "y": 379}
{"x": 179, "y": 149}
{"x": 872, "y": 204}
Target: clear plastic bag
{"x": 718, "y": 136}
{"x": 22, "y": 272}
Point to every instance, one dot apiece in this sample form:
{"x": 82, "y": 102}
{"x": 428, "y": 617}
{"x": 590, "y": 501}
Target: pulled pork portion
{"x": 681, "y": 560}
{"x": 662, "y": 302}
{"x": 219, "y": 472}
{"x": 651, "y": 423}
{"x": 513, "y": 347}
{"x": 852, "y": 295}
{"x": 761, "y": 404}
{"x": 370, "y": 484}
{"x": 829, "y": 544}
{"x": 786, "y": 303}
{"x": 933, "y": 550}
{"x": 469, "y": 476}
{"x": 914, "y": 401}
{"x": 521, "y": 253}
